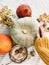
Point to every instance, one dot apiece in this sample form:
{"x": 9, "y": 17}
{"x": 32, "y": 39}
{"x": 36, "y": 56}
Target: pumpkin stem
{"x": 24, "y": 31}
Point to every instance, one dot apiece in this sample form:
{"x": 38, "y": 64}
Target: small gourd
{"x": 24, "y": 31}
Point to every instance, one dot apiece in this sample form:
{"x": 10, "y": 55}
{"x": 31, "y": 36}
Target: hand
{"x": 42, "y": 46}
{"x": 41, "y": 32}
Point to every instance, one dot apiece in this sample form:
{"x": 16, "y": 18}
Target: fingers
{"x": 37, "y": 36}
{"x": 41, "y": 31}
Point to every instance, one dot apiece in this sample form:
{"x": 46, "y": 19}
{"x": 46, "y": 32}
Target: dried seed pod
{"x": 48, "y": 28}
{"x": 38, "y": 20}
{"x": 44, "y": 25}
{"x": 44, "y": 17}
{"x": 18, "y": 54}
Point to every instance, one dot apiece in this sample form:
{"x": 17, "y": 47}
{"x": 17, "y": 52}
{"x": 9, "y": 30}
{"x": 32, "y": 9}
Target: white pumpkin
{"x": 24, "y": 31}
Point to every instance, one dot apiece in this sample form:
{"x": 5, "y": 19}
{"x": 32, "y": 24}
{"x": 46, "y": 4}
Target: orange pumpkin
{"x": 5, "y": 43}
